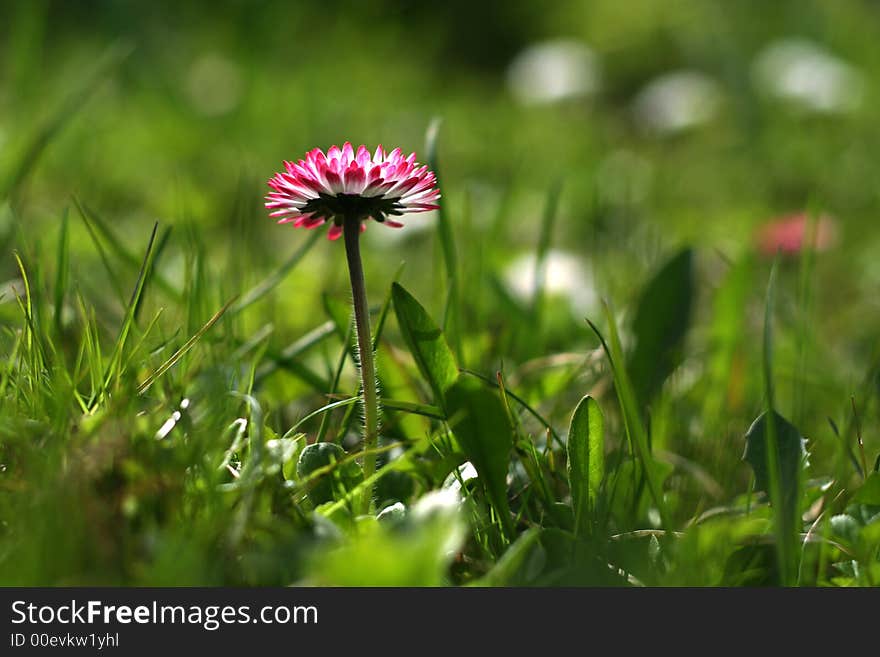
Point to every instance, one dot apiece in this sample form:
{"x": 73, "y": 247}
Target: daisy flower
{"x": 344, "y": 183}
{"x": 346, "y": 188}
{"x": 792, "y": 233}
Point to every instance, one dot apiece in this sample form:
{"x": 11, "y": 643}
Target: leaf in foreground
{"x": 660, "y": 325}
{"x": 480, "y": 424}
{"x": 586, "y": 459}
{"x": 425, "y": 341}
{"x": 790, "y": 459}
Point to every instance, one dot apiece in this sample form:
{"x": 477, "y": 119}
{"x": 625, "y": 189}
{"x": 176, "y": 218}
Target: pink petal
{"x": 335, "y": 232}
{"x": 354, "y": 179}
{"x": 347, "y": 153}
{"x": 335, "y": 182}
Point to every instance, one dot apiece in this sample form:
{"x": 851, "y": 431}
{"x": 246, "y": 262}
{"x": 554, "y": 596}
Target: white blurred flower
{"x": 808, "y": 76}
{"x": 436, "y": 503}
{"x": 564, "y": 275}
{"x": 393, "y": 513}
{"x": 466, "y": 472}
{"x": 554, "y": 70}
{"x": 676, "y": 101}
{"x": 214, "y": 85}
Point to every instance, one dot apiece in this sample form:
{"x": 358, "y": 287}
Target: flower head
{"x": 346, "y": 184}
{"x": 792, "y": 233}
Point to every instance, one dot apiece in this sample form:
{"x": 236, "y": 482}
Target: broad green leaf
{"x": 661, "y": 321}
{"x": 480, "y": 425}
{"x": 426, "y": 342}
{"x": 334, "y": 474}
{"x": 588, "y": 567}
{"x": 751, "y": 565}
{"x": 790, "y": 458}
{"x": 869, "y": 492}
{"x": 586, "y": 458}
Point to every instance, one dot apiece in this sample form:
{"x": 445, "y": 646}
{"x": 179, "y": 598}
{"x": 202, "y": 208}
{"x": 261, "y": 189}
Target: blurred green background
{"x": 665, "y": 123}
{"x": 212, "y": 99}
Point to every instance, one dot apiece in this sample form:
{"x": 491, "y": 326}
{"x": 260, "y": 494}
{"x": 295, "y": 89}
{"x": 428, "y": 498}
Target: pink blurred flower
{"x": 344, "y": 183}
{"x": 791, "y": 233}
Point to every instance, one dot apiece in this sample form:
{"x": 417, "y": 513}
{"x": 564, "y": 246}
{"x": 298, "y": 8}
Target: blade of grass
{"x": 412, "y": 407}
{"x": 123, "y": 253}
{"x": 805, "y": 303}
{"x": 546, "y": 235}
{"x": 324, "y": 409}
{"x": 189, "y": 344}
{"x": 271, "y": 281}
{"x": 62, "y": 273}
{"x": 9, "y": 368}
{"x": 115, "y": 364}
{"x": 337, "y": 375}
{"x": 69, "y": 107}
{"x": 112, "y": 274}
{"x": 33, "y": 343}
{"x": 786, "y": 539}
{"x": 451, "y": 316}
{"x": 386, "y": 307}
{"x": 288, "y": 356}
{"x": 632, "y": 420}
{"x": 519, "y": 400}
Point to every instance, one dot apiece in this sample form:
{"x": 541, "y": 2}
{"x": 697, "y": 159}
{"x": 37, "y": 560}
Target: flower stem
{"x": 351, "y": 232}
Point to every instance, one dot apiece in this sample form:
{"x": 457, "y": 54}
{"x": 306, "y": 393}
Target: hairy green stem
{"x": 351, "y": 233}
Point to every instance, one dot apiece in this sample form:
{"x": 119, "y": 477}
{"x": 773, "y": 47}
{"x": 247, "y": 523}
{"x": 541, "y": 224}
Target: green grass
{"x": 168, "y": 354}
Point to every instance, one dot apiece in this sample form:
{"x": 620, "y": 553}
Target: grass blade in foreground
{"x": 586, "y": 460}
{"x": 447, "y": 242}
{"x": 632, "y": 420}
{"x": 774, "y": 449}
{"x": 789, "y": 462}
{"x": 189, "y": 344}
{"x": 271, "y": 281}
{"x": 116, "y": 360}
